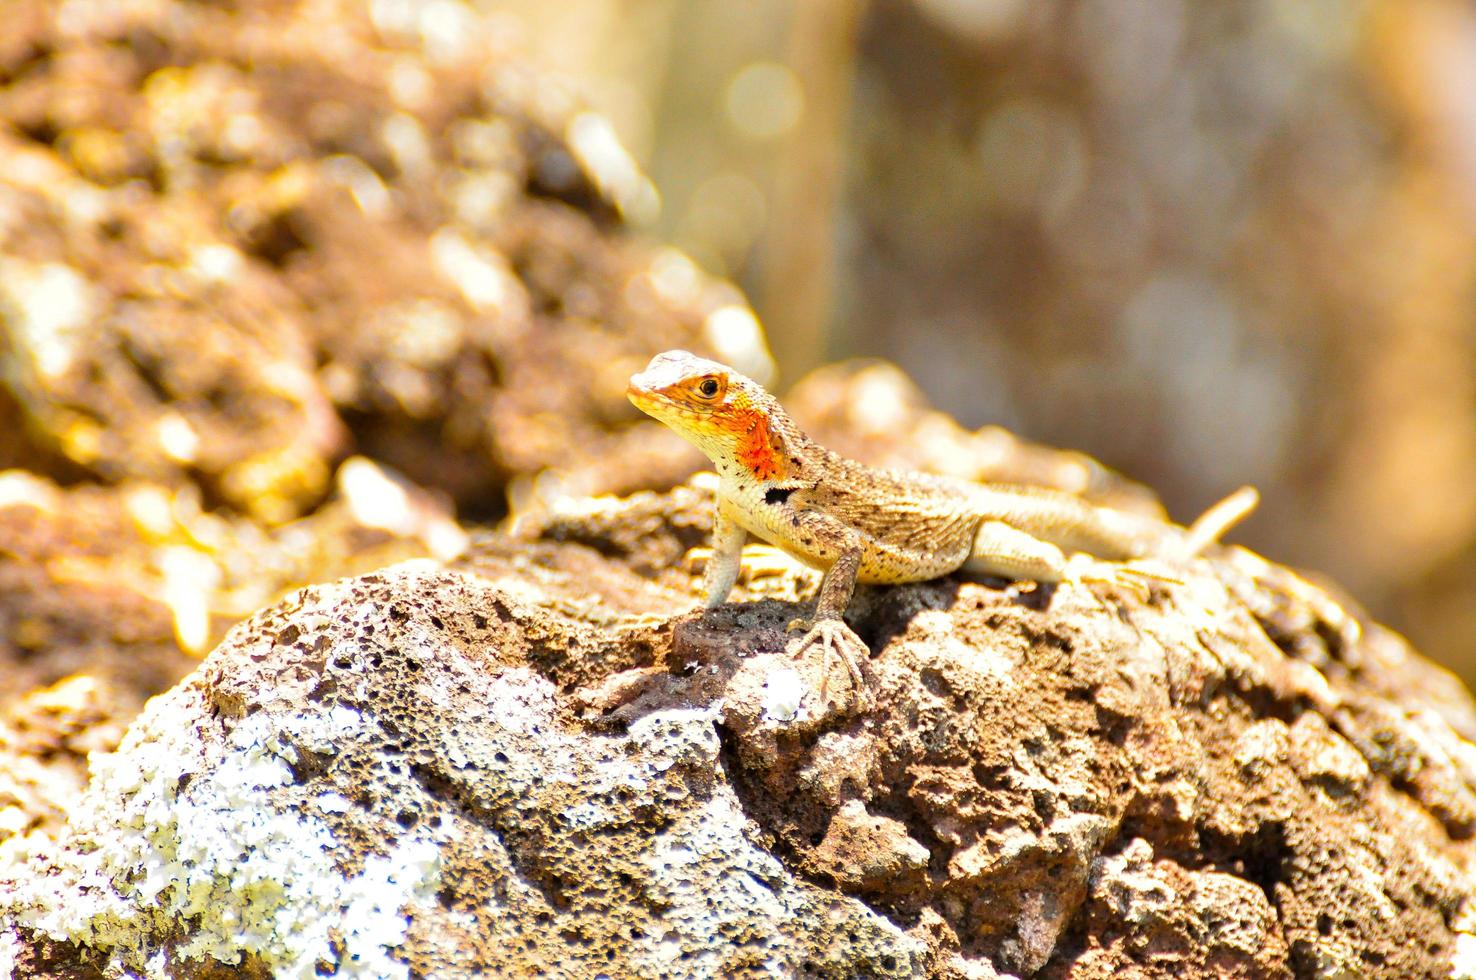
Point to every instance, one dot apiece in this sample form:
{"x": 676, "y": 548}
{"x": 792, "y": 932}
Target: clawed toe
{"x": 1138, "y": 581}
{"x": 839, "y": 640}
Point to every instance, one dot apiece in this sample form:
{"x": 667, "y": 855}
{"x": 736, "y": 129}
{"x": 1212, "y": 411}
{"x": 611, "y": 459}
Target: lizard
{"x": 860, "y": 524}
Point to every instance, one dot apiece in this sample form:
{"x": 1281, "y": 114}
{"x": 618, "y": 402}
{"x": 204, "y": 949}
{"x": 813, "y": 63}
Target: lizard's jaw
{"x": 660, "y": 407}
{"x": 698, "y": 428}
{"x": 641, "y": 398}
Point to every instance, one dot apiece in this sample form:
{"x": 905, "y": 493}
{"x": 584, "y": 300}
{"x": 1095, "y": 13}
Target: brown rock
{"x": 865, "y": 852}
{"x": 232, "y": 253}
{"x": 1206, "y": 923}
{"x": 129, "y": 585}
{"x": 79, "y": 593}
{"x": 539, "y": 762}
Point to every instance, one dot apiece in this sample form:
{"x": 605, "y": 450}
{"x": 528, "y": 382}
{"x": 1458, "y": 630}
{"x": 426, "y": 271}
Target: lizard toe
{"x": 836, "y": 639}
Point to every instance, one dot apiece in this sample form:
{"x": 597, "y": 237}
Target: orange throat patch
{"x": 760, "y": 450}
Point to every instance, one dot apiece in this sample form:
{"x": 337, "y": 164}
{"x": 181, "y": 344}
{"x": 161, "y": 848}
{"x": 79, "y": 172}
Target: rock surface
{"x": 109, "y": 595}
{"x": 388, "y": 236}
{"x": 240, "y": 244}
{"x": 536, "y": 762}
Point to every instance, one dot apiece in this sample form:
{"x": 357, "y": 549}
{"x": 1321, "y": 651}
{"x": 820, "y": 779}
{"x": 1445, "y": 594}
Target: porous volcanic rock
{"x": 239, "y": 242}
{"x": 377, "y": 777}
{"x": 538, "y": 762}
{"x": 109, "y": 595}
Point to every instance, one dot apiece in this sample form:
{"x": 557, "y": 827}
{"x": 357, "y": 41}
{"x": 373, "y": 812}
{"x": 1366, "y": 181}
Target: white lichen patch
{"x": 784, "y": 692}
{"x": 9, "y": 951}
{"x": 712, "y": 884}
{"x": 373, "y": 921}
{"x": 334, "y": 803}
{"x": 1463, "y": 961}
{"x": 179, "y": 825}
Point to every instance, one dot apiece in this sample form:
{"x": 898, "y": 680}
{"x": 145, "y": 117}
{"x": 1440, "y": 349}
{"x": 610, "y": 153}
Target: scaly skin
{"x": 861, "y": 524}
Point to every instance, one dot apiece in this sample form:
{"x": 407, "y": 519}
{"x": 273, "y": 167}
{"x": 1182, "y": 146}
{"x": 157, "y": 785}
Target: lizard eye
{"x": 708, "y": 387}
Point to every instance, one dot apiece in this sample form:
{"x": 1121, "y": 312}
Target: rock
{"x": 81, "y": 590}
{"x": 129, "y": 585}
{"x": 1209, "y": 923}
{"x": 303, "y": 799}
{"x": 109, "y": 595}
{"x": 403, "y": 243}
{"x": 45, "y": 740}
{"x": 870, "y": 853}
{"x": 537, "y": 759}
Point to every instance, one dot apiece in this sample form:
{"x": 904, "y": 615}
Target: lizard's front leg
{"x": 827, "y": 628}
{"x": 727, "y": 556}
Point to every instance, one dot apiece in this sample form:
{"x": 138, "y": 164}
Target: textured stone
{"x": 232, "y": 253}
{"x": 371, "y": 780}
{"x": 537, "y": 762}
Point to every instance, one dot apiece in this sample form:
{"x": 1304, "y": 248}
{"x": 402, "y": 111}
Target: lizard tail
{"x": 1219, "y": 519}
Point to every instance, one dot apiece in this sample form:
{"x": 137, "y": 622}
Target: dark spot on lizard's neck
{"x": 777, "y": 495}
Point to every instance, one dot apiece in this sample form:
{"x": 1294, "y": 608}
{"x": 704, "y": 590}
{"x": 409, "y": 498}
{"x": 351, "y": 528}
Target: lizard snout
{"x": 642, "y": 396}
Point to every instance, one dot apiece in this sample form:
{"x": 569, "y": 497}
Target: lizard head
{"x": 715, "y": 408}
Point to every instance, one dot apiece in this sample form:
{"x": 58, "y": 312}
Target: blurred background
{"x": 294, "y": 288}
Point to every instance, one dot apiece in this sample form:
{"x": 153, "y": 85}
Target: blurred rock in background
{"x": 239, "y": 244}
{"x": 285, "y": 289}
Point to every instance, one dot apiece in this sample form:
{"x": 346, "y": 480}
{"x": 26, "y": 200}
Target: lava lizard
{"x": 861, "y": 524}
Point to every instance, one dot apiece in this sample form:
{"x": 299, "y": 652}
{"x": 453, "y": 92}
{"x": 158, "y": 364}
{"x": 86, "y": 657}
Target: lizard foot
{"x": 839, "y": 640}
{"x": 1138, "y": 581}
